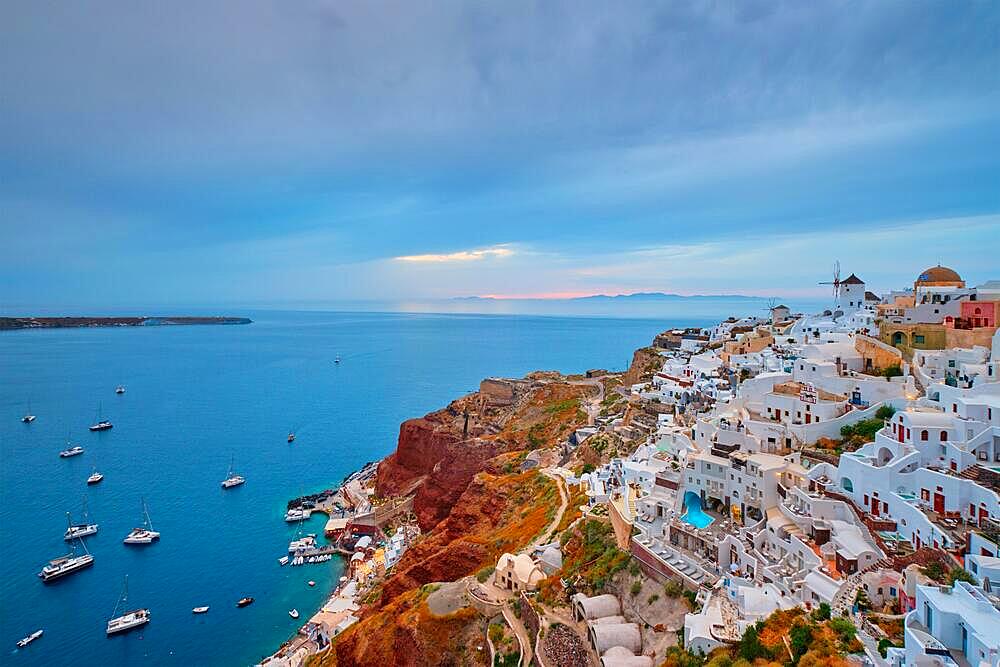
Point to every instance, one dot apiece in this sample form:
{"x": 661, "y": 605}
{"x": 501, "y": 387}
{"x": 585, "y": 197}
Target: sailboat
{"x": 145, "y": 534}
{"x": 75, "y": 530}
{"x": 130, "y": 619}
{"x": 28, "y": 417}
{"x": 102, "y": 424}
{"x": 232, "y": 479}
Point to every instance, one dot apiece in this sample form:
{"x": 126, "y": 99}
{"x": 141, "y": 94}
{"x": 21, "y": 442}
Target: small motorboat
{"x": 291, "y": 437}
{"x": 312, "y": 583}
{"x": 30, "y": 638}
{"x": 120, "y": 389}
{"x": 283, "y": 561}
{"x": 337, "y": 360}
{"x": 294, "y": 613}
{"x": 75, "y": 450}
{"x": 27, "y": 419}
{"x": 244, "y": 602}
{"x": 95, "y": 477}
{"x": 199, "y": 610}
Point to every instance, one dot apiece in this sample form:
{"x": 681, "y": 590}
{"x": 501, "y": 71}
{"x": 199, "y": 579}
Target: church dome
{"x": 938, "y": 274}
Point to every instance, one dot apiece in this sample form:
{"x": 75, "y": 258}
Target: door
{"x": 939, "y": 503}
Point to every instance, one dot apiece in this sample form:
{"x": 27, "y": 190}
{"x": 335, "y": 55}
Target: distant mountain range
{"x": 635, "y": 296}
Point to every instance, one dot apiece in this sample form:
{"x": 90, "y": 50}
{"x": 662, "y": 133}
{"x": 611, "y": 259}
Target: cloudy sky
{"x": 269, "y": 152}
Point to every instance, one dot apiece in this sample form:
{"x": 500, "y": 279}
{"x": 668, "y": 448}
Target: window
{"x": 918, "y": 338}
{"x": 944, "y": 436}
{"x": 923, "y": 435}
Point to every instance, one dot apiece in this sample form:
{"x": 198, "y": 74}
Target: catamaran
{"x": 145, "y": 534}
{"x": 30, "y": 638}
{"x": 102, "y": 424}
{"x": 65, "y": 565}
{"x": 232, "y": 479}
{"x": 28, "y": 417}
{"x": 130, "y": 619}
{"x": 75, "y": 450}
{"x": 75, "y": 530}
{"x": 95, "y": 477}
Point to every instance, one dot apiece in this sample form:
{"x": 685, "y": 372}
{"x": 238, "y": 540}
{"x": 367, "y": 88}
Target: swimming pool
{"x": 694, "y": 515}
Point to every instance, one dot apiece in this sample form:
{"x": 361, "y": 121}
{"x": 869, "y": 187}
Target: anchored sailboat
{"x": 75, "y": 530}
{"x": 145, "y": 534}
{"x": 130, "y": 619}
{"x": 232, "y": 479}
{"x": 101, "y": 424}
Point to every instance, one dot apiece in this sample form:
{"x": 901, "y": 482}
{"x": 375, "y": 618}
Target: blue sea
{"x": 195, "y": 397}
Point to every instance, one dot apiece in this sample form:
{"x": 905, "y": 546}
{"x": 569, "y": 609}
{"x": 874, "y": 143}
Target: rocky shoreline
{"x": 11, "y": 323}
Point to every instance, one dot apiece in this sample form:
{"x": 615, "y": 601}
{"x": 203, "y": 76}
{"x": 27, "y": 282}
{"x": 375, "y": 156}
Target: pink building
{"x": 975, "y": 314}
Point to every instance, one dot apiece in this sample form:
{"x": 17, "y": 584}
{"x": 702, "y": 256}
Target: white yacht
{"x": 30, "y": 638}
{"x": 65, "y": 565}
{"x": 75, "y": 530}
{"x": 200, "y": 610}
{"x": 232, "y": 479}
{"x": 144, "y": 534}
{"x": 120, "y": 389}
{"x": 130, "y": 619}
{"x": 296, "y": 514}
{"x": 75, "y": 450}
{"x": 95, "y": 477}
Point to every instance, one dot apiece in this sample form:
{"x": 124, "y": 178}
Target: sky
{"x": 306, "y": 152}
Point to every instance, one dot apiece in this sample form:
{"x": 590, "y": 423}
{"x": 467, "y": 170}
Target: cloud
{"x": 460, "y": 256}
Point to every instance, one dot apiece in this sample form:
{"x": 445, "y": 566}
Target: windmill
{"x": 836, "y": 282}
{"x": 769, "y": 308}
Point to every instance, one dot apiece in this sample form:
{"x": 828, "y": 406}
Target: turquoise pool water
{"x": 694, "y": 515}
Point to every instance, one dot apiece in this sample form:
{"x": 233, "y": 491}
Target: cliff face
{"x": 438, "y": 455}
{"x": 645, "y": 362}
{"x": 407, "y": 634}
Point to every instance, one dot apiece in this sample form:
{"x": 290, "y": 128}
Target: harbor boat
{"x": 244, "y": 602}
{"x": 95, "y": 477}
{"x": 296, "y": 514}
{"x": 75, "y": 450}
{"x": 294, "y": 613}
{"x": 302, "y": 543}
{"x": 30, "y": 638}
{"x": 101, "y": 424}
{"x": 283, "y": 561}
{"x": 130, "y": 619}
{"x": 144, "y": 534}
{"x": 76, "y": 530}
{"x": 232, "y": 479}
{"x": 120, "y": 389}
{"x": 66, "y": 565}
{"x": 199, "y": 610}
{"x": 28, "y": 417}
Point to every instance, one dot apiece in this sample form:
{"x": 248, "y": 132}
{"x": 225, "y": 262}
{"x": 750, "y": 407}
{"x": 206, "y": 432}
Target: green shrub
{"x": 885, "y": 412}
{"x": 636, "y": 588}
{"x": 673, "y": 589}
{"x": 892, "y": 371}
{"x": 822, "y": 612}
{"x": 484, "y": 574}
{"x": 750, "y": 647}
{"x": 844, "y": 628}
{"x": 652, "y": 598}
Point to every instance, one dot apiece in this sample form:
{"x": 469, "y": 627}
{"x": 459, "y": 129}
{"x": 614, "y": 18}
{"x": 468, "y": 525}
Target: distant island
{"x": 7, "y": 323}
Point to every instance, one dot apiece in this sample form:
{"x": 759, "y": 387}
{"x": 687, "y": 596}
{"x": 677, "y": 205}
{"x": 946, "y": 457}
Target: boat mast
{"x": 145, "y": 512}
{"x": 122, "y": 599}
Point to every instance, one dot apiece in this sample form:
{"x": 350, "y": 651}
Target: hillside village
{"x": 788, "y": 488}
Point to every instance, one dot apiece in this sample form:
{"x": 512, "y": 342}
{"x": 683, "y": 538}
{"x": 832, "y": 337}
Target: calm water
{"x": 196, "y": 396}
